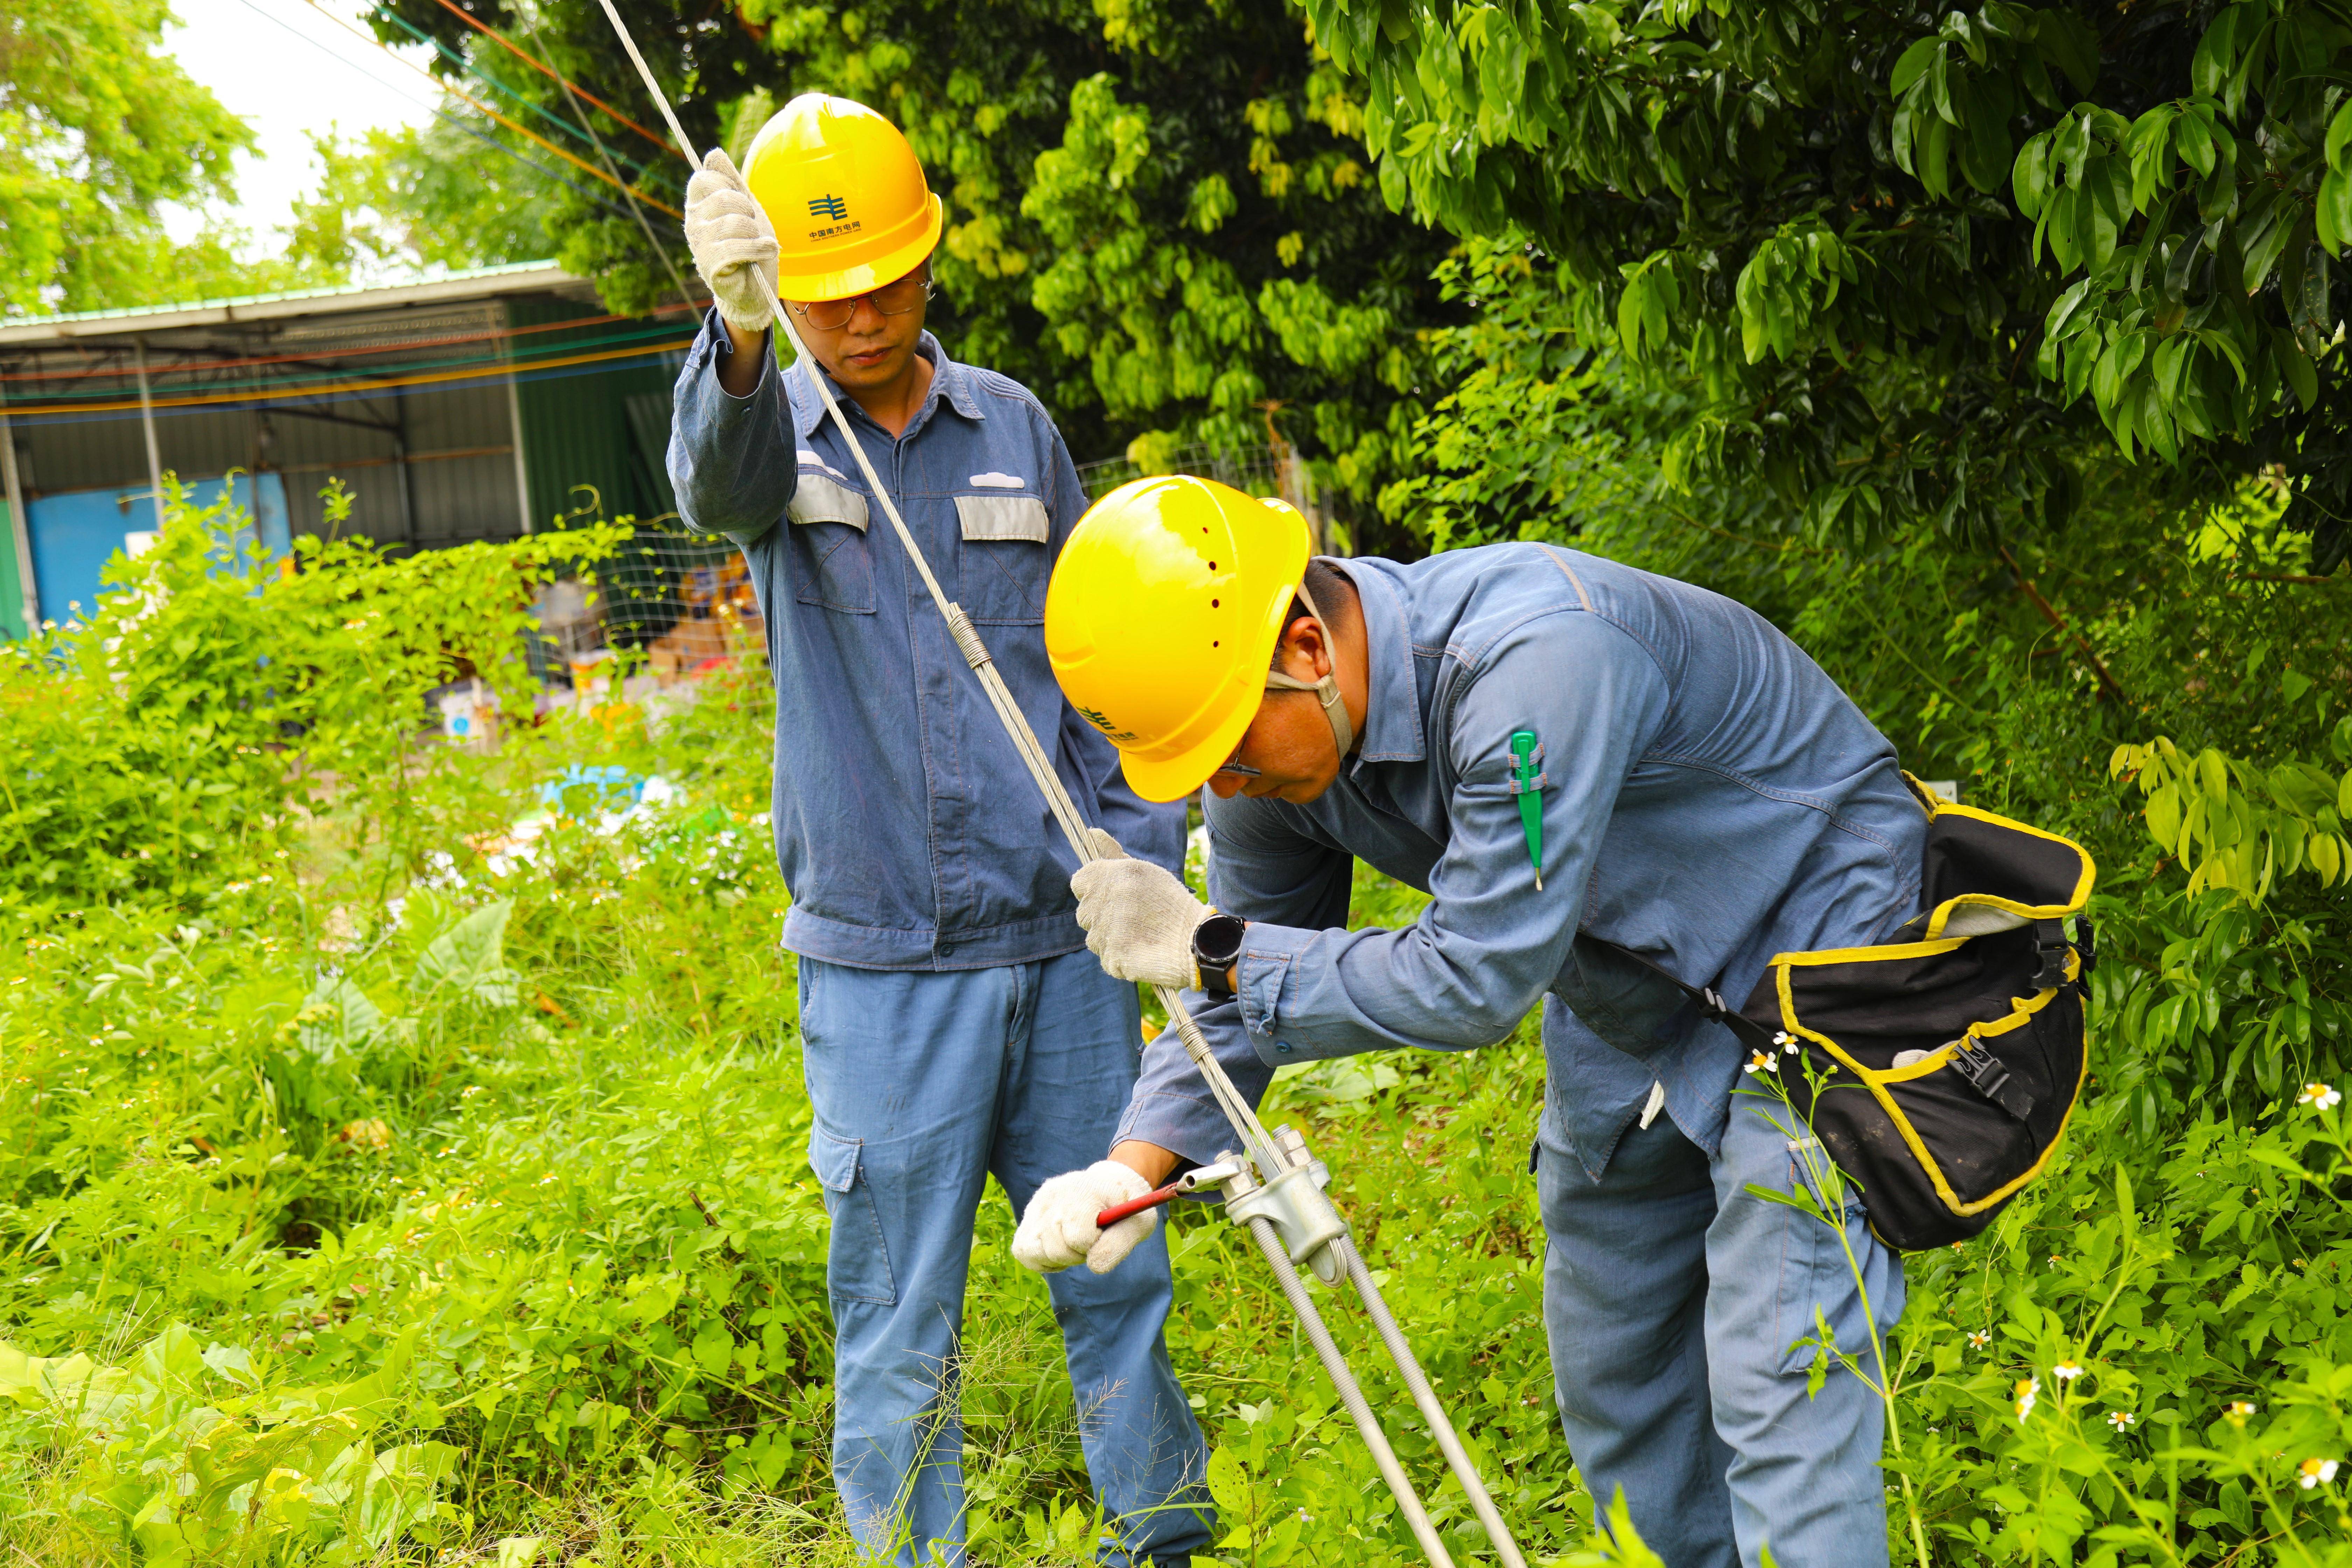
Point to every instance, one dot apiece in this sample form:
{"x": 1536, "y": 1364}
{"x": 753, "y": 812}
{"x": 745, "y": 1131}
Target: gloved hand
{"x": 729, "y": 235}
{"x": 1138, "y": 920}
{"x": 1059, "y": 1228}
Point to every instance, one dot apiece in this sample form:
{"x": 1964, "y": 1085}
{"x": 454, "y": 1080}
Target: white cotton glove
{"x": 1138, "y": 920}
{"x": 729, "y": 235}
{"x": 1059, "y": 1228}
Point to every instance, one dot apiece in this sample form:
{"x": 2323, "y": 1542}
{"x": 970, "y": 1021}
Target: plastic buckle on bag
{"x": 1989, "y": 1078}
{"x": 2051, "y": 944}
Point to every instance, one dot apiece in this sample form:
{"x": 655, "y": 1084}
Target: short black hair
{"x": 1331, "y": 587}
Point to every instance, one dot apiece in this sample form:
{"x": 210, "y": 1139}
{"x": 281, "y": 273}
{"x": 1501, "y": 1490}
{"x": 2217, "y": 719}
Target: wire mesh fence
{"x": 675, "y": 604}
{"x": 1253, "y": 469}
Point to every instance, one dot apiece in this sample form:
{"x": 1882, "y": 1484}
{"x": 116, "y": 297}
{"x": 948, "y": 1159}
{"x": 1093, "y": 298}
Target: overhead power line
{"x": 640, "y": 335}
{"x": 468, "y": 66}
{"x": 451, "y": 340}
{"x": 519, "y": 130}
{"x": 438, "y": 113}
{"x": 321, "y": 400}
{"x": 549, "y": 70}
{"x": 473, "y": 373}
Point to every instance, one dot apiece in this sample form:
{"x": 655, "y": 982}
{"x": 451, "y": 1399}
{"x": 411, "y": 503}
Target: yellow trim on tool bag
{"x": 1876, "y": 1081}
{"x": 1819, "y": 956}
{"x": 2075, "y": 900}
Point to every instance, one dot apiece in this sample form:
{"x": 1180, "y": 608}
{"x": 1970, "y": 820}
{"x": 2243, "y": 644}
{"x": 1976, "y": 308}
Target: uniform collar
{"x": 1391, "y": 693}
{"x": 949, "y": 380}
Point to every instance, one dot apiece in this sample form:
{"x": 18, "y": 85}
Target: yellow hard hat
{"x": 1161, "y": 617}
{"x": 847, "y": 196}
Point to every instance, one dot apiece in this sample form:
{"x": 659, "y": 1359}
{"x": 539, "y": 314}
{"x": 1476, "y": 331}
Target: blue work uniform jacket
{"x": 1709, "y": 798}
{"x": 905, "y": 825}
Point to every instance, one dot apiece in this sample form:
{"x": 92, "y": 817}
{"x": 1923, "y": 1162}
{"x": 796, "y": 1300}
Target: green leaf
{"x": 2193, "y": 135}
{"x": 1914, "y": 65}
{"x": 2339, "y": 135}
{"x": 2208, "y": 70}
{"x": 2030, "y": 177}
{"x": 468, "y": 957}
{"x": 2332, "y": 214}
{"x": 2069, "y": 42}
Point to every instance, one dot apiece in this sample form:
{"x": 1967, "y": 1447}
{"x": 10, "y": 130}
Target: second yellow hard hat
{"x": 1161, "y": 617}
{"x": 847, "y": 196}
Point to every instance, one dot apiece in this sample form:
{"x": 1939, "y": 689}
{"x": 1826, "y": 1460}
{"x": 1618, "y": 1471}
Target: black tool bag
{"x": 1949, "y": 1059}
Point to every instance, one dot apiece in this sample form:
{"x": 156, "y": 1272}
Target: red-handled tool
{"x": 1191, "y": 1180}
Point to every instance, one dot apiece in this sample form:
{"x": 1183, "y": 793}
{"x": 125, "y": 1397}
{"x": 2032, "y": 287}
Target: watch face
{"x": 1218, "y": 940}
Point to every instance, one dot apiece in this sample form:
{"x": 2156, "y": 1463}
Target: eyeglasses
{"x": 893, "y": 298}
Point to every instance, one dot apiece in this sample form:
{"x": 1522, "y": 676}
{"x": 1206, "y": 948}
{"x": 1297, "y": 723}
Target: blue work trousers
{"x": 924, "y": 1084}
{"x": 1672, "y": 1298}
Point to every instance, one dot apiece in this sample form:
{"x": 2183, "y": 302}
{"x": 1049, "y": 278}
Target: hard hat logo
{"x": 1107, "y": 724}
{"x": 820, "y": 159}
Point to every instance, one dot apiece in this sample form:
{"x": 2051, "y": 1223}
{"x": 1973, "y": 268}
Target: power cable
{"x": 433, "y": 108}
{"x": 329, "y": 352}
{"x": 494, "y": 367}
{"x": 600, "y": 341}
{"x": 602, "y": 154}
{"x": 548, "y": 69}
{"x": 464, "y": 64}
{"x": 321, "y": 400}
{"x": 519, "y": 130}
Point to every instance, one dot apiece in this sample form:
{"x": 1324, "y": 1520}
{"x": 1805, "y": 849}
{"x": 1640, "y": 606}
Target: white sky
{"x": 287, "y": 66}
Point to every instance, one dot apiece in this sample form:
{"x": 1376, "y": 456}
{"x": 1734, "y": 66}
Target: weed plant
{"x": 383, "y": 1181}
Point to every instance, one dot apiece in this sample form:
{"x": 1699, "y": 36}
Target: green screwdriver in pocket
{"x": 1527, "y": 782}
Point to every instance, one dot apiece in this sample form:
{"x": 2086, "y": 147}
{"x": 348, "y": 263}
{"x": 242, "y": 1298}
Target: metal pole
{"x": 400, "y": 456}
{"x": 1384, "y": 1458}
{"x": 1457, "y": 1457}
{"x": 514, "y": 419}
{"x": 147, "y": 425}
{"x": 19, "y": 526}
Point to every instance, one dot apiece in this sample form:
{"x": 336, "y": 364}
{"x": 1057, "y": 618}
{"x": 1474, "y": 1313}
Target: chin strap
{"x": 1326, "y": 689}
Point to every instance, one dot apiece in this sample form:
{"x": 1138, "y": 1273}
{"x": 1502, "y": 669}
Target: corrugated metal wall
{"x": 578, "y": 429}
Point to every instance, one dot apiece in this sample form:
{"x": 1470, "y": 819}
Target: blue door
{"x": 75, "y": 534}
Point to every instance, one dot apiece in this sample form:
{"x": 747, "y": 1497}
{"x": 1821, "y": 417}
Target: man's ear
{"x": 1301, "y": 639}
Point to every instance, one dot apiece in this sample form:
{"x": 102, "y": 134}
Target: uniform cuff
{"x": 713, "y": 350}
{"x": 1268, "y": 955}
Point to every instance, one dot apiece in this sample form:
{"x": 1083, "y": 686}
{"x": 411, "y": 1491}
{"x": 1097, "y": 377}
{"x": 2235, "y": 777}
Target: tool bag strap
{"x": 1744, "y": 1029}
{"x": 1977, "y": 1065}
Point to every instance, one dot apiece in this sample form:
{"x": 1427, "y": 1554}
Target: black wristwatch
{"x": 1217, "y": 947}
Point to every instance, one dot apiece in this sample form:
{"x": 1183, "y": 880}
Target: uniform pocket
{"x": 830, "y": 557}
{"x": 858, "y": 1261}
{"x": 1004, "y": 564}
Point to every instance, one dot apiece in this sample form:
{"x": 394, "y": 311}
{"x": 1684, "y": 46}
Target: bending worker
{"x": 950, "y": 1027}
{"x": 1709, "y": 798}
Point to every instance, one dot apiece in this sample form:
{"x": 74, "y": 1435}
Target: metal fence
{"x": 1254, "y": 470}
{"x": 674, "y": 603}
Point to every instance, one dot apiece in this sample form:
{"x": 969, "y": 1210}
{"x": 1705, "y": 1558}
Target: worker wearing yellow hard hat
{"x": 1220, "y": 570}
{"x": 1601, "y": 778}
{"x": 951, "y": 1025}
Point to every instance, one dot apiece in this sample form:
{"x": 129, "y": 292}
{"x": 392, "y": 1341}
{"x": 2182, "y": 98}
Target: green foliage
{"x": 1159, "y": 217}
{"x": 202, "y": 710}
{"x": 432, "y": 1176}
{"x": 421, "y": 197}
{"x": 1890, "y": 250}
{"x": 96, "y": 128}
